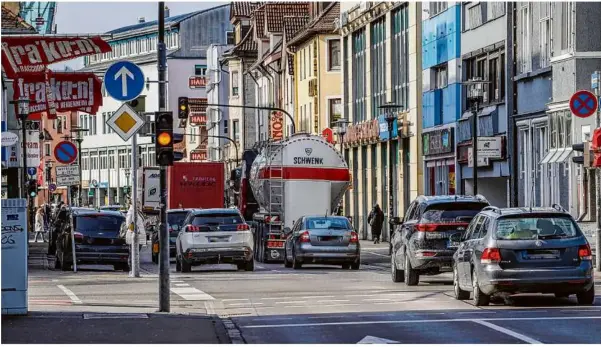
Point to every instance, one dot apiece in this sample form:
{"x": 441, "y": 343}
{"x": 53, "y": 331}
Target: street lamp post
{"x": 79, "y": 139}
{"x": 391, "y": 117}
{"x": 22, "y": 114}
{"x": 341, "y": 129}
{"x": 127, "y": 174}
{"x": 475, "y": 93}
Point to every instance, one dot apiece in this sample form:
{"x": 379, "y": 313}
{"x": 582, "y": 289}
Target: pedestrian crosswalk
{"x": 188, "y": 293}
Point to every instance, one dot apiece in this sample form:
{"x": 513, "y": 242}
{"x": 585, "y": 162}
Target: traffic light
{"x": 585, "y": 158}
{"x": 183, "y": 109}
{"x": 138, "y": 104}
{"x": 596, "y": 147}
{"x": 32, "y": 188}
{"x": 164, "y": 138}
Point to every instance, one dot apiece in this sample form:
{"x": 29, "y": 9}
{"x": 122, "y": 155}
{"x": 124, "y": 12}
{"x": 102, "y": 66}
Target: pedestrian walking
{"x": 376, "y": 220}
{"x": 40, "y": 229}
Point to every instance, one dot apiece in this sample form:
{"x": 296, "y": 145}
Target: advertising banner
{"x": 32, "y": 54}
{"x": 66, "y": 91}
{"x": 276, "y": 127}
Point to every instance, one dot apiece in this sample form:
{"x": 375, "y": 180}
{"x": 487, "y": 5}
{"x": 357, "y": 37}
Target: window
{"x": 358, "y": 76}
{"x": 378, "y": 66}
{"x": 193, "y": 134}
{"x": 122, "y": 159}
{"x": 523, "y": 228}
{"x": 473, "y": 19}
{"x": 488, "y": 66}
{"x": 400, "y": 49}
{"x": 545, "y": 33}
{"x": 225, "y": 128}
{"x": 47, "y": 149}
{"x": 441, "y": 77}
{"x": 438, "y": 6}
{"x": 494, "y": 9}
{"x": 236, "y": 130}
{"x": 151, "y": 157}
{"x": 103, "y": 160}
{"x": 85, "y": 161}
{"x": 94, "y": 160}
{"x": 525, "y": 52}
{"x": 111, "y": 156}
{"x": 200, "y": 70}
{"x": 235, "y": 83}
{"x": 335, "y": 110}
{"x": 567, "y": 26}
{"x": 59, "y": 124}
{"x": 334, "y": 55}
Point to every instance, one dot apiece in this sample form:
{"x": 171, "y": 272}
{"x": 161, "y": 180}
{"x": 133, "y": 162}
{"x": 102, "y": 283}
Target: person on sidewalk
{"x": 39, "y": 225}
{"x": 376, "y": 220}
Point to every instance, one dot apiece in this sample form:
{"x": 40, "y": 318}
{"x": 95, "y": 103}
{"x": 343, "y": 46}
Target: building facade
{"x": 218, "y": 93}
{"x": 441, "y": 108}
{"x": 106, "y": 159}
{"x": 381, "y": 63}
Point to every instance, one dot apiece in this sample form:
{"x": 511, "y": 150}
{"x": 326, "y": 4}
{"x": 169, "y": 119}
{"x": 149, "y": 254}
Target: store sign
{"x": 198, "y": 119}
{"x": 195, "y": 82}
{"x": 198, "y": 111}
{"x": 59, "y": 91}
{"x": 438, "y": 142}
{"x": 33, "y": 148}
{"x": 328, "y": 134}
{"x": 362, "y": 132}
{"x": 384, "y": 135}
{"x": 490, "y": 147}
{"x": 276, "y": 126}
{"x": 32, "y": 54}
{"x": 196, "y": 155}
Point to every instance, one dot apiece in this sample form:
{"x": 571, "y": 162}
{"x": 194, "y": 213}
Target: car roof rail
{"x": 492, "y": 208}
{"x": 481, "y": 197}
{"x": 559, "y": 208}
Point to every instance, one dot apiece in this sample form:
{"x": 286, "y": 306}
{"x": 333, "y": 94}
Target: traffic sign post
{"x": 65, "y": 152}
{"x": 583, "y": 104}
{"x": 124, "y": 81}
{"x": 68, "y": 175}
{"x": 597, "y": 88}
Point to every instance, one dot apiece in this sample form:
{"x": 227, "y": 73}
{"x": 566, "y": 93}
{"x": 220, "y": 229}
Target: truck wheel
{"x": 411, "y": 276}
{"x": 249, "y": 266}
{"x": 186, "y": 267}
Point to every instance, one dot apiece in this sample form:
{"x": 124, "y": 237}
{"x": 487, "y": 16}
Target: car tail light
{"x": 78, "y": 236}
{"x": 425, "y": 253}
{"x": 584, "y": 252}
{"x": 305, "y": 237}
{"x": 354, "y": 237}
{"x": 439, "y": 226}
{"x": 490, "y": 255}
{"x": 192, "y": 228}
{"x": 242, "y": 227}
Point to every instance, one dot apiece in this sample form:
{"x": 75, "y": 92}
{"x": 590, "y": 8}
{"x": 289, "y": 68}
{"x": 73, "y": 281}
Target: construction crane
{"x": 40, "y": 15}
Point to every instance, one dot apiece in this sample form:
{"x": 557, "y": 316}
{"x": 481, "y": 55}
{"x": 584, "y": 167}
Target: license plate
{"x": 540, "y": 255}
{"x": 452, "y": 244}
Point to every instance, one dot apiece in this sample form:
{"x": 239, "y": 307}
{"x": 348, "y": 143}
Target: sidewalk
{"x": 95, "y": 328}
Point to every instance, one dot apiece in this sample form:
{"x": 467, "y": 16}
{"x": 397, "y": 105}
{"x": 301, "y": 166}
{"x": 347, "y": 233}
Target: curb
{"x": 232, "y": 331}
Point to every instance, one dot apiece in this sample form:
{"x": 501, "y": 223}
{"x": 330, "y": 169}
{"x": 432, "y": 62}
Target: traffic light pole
{"x": 598, "y": 187}
{"x": 135, "y": 253}
{"x": 164, "y": 303}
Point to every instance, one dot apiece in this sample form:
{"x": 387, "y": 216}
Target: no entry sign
{"x": 583, "y": 104}
{"x": 65, "y": 152}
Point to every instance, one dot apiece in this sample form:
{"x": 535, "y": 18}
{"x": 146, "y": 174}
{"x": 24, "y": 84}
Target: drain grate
{"x": 115, "y": 316}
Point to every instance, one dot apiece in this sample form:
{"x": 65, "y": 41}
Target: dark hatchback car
{"x": 97, "y": 240}
{"x": 175, "y": 223}
{"x": 329, "y": 240}
{"x": 421, "y": 245}
{"x": 523, "y": 250}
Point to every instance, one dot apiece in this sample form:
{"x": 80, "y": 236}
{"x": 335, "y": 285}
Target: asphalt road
{"x": 321, "y": 304}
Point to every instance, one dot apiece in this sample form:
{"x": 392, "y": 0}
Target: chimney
{"x": 141, "y": 19}
{"x": 166, "y": 12}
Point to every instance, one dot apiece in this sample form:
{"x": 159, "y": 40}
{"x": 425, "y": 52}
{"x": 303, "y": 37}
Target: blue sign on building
{"x": 124, "y": 81}
{"x": 383, "y": 126}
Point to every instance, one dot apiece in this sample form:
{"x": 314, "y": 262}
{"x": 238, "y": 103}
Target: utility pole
{"x": 598, "y": 180}
{"x": 135, "y": 253}
{"x": 164, "y": 304}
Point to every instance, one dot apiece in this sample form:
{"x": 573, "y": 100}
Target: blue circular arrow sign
{"x": 124, "y": 81}
{"x": 31, "y": 171}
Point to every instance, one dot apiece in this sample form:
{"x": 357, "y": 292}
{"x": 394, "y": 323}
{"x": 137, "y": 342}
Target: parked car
{"x": 523, "y": 250}
{"x": 97, "y": 240}
{"x": 117, "y": 208}
{"x": 322, "y": 240}
{"x": 175, "y": 223}
{"x": 420, "y": 244}
{"x": 214, "y": 236}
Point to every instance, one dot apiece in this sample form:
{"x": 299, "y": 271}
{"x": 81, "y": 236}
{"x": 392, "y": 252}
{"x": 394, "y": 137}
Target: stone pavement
{"x": 105, "y": 328}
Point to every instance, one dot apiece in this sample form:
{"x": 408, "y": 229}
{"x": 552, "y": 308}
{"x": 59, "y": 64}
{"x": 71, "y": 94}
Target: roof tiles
{"x": 322, "y": 24}
{"x": 275, "y": 11}
{"x": 242, "y": 8}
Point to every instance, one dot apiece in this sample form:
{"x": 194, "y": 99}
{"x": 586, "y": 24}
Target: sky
{"x": 79, "y": 17}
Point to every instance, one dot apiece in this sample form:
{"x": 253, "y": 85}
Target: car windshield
{"x": 452, "y": 212}
{"x": 328, "y": 223}
{"x": 175, "y": 220}
{"x": 532, "y": 228}
{"x": 217, "y": 219}
{"x": 98, "y": 223}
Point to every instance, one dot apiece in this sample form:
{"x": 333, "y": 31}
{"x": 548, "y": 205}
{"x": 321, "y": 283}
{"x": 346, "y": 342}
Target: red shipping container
{"x": 195, "y": 185}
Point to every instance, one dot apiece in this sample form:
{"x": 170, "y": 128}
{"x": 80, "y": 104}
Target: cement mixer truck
{"x": 298, "y": 176}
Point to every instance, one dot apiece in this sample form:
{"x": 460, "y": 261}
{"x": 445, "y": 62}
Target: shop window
{"x": 334, "y": 55}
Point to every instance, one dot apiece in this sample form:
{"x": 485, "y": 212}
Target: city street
{"x": 312, "y": 305}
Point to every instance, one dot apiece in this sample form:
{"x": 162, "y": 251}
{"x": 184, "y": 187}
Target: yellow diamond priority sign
{"x": 125, "y": 121}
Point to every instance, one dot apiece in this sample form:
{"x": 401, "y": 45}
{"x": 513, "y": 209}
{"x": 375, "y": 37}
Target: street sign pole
{"x": 135, "y": 254}
{"x": 164, "y": 300}
{"x": 597, "y": 87}
{"x": 69, "y": 199}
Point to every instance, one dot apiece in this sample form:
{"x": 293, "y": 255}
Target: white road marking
{"x": 225, "y": 300}
{"x": 209, "y": 307}
{"x": 192, "y": 294}
{"x": 181, "y": 284}
{"x": 507, "y": 332}
{"x": 326, "y": 301}
{"x": 289, "y": 302}
{"x": 70, "y": 294}
{"x": 317, "y": 296}
{"x": 376, "y": 299}
{"x": 412, "y": 321}
{"x": 373, "y": 340}
{"x": 378, "y": 254}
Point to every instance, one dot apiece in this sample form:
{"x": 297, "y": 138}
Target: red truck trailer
{"x": 195, "y": 185}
